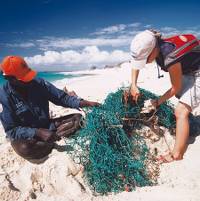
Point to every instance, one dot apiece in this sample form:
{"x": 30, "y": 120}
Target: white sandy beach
{"x": 59, "y": 179}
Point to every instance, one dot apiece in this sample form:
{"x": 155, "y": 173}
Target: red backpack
{"x": 183, "y": 44}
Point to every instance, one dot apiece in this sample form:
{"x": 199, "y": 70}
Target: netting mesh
{"x": 114, "y": 156}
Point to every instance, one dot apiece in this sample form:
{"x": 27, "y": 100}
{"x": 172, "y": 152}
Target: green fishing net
{"x": 114, "y": 156}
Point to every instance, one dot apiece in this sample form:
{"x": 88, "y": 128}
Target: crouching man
{"x": 24, "y": 110}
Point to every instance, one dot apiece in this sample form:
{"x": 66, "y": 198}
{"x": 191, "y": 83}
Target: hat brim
{"x": 30, "y": 75}
{"x": 138, "y": 64}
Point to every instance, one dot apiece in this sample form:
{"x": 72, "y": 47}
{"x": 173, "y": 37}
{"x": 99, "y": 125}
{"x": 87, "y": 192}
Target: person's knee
{"x": 182, "y": 111}
{"x": 24, "y": 149}
{"x": 21, "y": 148}
{"x": 32, "y": 149}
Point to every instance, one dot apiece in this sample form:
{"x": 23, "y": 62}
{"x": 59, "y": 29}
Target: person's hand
{"x": 68, "y": 126}
{"x": 85, "y": 103}
{"x": 93, "y": 104}
{"x": 135, "y": 93}
{"x": 47, "y": 135}
{"x": 70, "y": 93}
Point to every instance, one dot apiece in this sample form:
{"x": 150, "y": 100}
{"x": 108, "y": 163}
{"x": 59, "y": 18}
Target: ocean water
{"x": 50, "y": 76}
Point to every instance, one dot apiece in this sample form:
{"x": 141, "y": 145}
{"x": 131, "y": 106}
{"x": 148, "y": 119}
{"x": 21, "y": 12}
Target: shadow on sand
{"x": 194, "y": 128}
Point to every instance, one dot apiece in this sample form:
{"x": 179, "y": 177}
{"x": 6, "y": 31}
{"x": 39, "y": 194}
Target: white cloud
{"x": 65, "y": 43}
{"x": 69, "y": 52}
{"x": 107, "y": 38}
{"x": 89, "y": 56}
{"x": 113, "y": 36}
{"x": 135, "y": 25}
{"x": 110, "y": 29}
{"x": 21, "y": 45}
{"x": 148, "y": 26}
{"x": 117, "y": 29}
{"x": 196, "y": 33}
{"x": 170, "y": 31}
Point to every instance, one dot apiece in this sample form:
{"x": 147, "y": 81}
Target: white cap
{"x": 141, "y": 47}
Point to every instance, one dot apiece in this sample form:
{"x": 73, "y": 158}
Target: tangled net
{"x": 114, "y": 156}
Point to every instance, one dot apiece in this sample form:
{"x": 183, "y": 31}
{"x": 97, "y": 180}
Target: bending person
{"x": 180, "y": 56}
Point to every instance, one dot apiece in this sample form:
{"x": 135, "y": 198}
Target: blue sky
{"x": 66, "y": 34}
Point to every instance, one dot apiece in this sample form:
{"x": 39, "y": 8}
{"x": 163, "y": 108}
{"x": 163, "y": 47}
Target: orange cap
{"x": 17, "y": 67}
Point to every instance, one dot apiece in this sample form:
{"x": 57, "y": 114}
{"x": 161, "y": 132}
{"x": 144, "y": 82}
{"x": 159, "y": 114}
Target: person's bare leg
{"x": 182, "y": 112}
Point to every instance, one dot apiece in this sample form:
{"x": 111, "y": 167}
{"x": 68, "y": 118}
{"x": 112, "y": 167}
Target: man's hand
{"x": 70, "y": 93}
{"x": 46, "y": 135}
{"x": 69, "y": 125}
{"x": 135, "y": 92}
{"x": 85, "y": 103}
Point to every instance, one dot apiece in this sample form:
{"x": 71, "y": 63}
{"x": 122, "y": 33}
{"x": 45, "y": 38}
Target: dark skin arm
{"x": 85, "y": 103}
